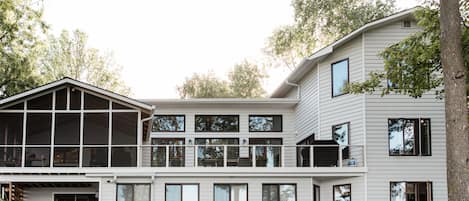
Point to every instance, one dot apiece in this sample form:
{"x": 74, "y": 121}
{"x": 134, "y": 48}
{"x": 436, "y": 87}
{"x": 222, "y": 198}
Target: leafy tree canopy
{"x": 245, "y": 81}
{"x": 319, "y": 22}
{"x": 413, "y": 65}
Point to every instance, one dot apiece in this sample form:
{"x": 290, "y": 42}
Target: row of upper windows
{"x": 399, "y": 191}
{"x": 217, "y": 123}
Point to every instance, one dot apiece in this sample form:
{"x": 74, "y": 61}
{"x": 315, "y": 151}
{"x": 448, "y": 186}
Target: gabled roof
{"x": 80, "y": 84}
{"x": 310, "y": 62}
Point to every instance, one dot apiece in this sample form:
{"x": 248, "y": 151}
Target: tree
{"x": 317, "y": 23}
{"x": 245, "y": 81}
{"x": 69, "y": 56}
{"x": 415, "y": 65}
{"x": 20, "y": 29}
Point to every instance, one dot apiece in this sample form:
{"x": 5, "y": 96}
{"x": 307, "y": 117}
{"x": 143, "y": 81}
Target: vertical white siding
{"x": 382, "y": 167}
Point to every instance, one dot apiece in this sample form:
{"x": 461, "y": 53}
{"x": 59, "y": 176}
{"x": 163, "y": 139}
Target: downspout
{"x": 298, "y": 96}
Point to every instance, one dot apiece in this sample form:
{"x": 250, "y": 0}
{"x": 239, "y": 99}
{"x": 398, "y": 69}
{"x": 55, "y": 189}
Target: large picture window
{"x": 342, "y": 192}
{"x": 169, "y": 123}
{"x": 230, "y": 192}
{"x": 340, "y": 77}
{"x": 278, "y": 192}
{"x": 133, "y": 192}
{"x": 182, "y": 192}
{"x": 411, "y": 191}
{"x": 216, "y": 123}
{"x": 265, "y": 123}
{"x": 409, "y": 137}
{"x": 176, "y": 152}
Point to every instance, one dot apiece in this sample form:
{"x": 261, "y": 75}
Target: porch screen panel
{"x": 11, "y": 133}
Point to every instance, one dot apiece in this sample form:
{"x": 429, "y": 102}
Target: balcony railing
{"x": 243, "y": 156}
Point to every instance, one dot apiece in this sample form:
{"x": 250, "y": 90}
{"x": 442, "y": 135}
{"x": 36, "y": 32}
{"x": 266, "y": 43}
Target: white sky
{"x": 159, "y": 43}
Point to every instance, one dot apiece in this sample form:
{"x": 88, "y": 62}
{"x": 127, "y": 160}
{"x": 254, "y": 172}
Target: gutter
{"x": 298, "y": 96}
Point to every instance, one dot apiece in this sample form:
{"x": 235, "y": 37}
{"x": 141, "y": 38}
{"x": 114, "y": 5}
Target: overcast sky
{"x": 159, "y": 43}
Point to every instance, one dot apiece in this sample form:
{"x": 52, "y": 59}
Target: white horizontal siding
{"x": 306, "y": 111}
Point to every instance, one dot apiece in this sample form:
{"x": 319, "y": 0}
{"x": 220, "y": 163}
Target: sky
{"x": 160, "y": 43}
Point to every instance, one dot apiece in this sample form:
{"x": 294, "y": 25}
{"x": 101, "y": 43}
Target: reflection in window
{"x": 341, "y": 135}
{"x": 124, "y": 157}
{"x": 37, "y": 157}
{"x": 216, "y": 123}
{"x": 95, "y": 157}
{"x": 67, "y": 128}
{"x": 124, "y": 128}
{"x": 213, "y": 156}
{"x": 66, "y": 157}
{"x": 278, "y": 192}
{"x": 265, "y": 123}
{"x": 267, "y": 153}
{"x": 411, "y": 191}
{"x": 231, "y": 192}
{"x": 133, "y": 192}
{"x": 409, "y": 137}
{"x": 10, "y": 156}
{"x": 168, "y": 123}
{"x": 343, "y": 192}
{"x": 38, "y": 128}
{"x": 339, "y": 77}
{"x": 182, "y": 192}
{"x": 96, "y": 128}
{"x": 176, "y": 153}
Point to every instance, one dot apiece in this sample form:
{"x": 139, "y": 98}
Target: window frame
{"x": 278, "y": 187}
{"x": 182, "y": 184}
{"x": 332, "y": 76}
{"x": 337, "y": 185}
{"x": 266, "y": 115}
{"x": 348, "y": 131}
{"x": 414, "y": 182}
{"x": 417, "y": 138}
{"x": 169, "y": 115}
{"x": 209, "y": 131}
{"x": 229, "y": 184}
{"x": 316, "y": 191}
{"x": 133, "y": 189}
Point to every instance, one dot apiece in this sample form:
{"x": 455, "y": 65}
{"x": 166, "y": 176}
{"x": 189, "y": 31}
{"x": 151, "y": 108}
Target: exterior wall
{"x": 383, "y": 168}
{"x": 47, "y": 194}
{"x": 307, "y": 110}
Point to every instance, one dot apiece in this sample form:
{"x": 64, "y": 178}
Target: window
{"x": 96, "y": 129}
{"x": 342, "y": 192}
{"x": 341, "y": 135}
{"x": 265, "y": 123}
{"x": 411, "y": 191}
{"x": 75, "y": 197}
{"x": 66, "y": 157}
{"x": 61, "y": 99}
{"x": 316, "y": 193}
{"x": 340, "y": 77}
{"x": 230, "y": 192}
{"x": 409, "y": 137}
{"x": 41, "y": 103}
{"x": 124, "y": 128}
{"x": 176, "y": 153}
{"x": 11, "y": 128}
{"x": 133, "y": 192}
{"x": 124, "y": 157}
{"x": 211, "y": 155}
{"x": 279, "y": 192}
{"x": 169, "y": 123}
{"x": 37, "y": 157}
{"x": 38, "y": 128}
{"x": 268, "y": 151}
{"x": 75, "y": 99}
{"x": 182, "y": 192}
{"x": 95, "y": 103}
{"x": 95, "y": 157}
{"x": 67, "y": 129}
{"x": 216, "y": 123}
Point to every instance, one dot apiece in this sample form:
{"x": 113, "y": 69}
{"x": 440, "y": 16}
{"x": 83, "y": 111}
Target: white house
{"x": 70, "y": 141}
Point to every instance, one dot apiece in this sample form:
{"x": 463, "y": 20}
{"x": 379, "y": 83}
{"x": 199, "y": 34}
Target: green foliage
{"x": 68, "y": 56}
{"x": 245, "y": 81}
{"x": 20, "y": 30}
{"x": 414, "y": 65}
{"x": 319, "y": 22}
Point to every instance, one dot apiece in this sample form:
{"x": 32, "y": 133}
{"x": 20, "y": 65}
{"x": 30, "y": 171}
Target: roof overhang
{"x": 229, "y": 102}
{"x": 309, "y": 63}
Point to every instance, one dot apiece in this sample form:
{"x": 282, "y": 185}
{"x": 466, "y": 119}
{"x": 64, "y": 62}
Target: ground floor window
{"x": 230, "y": 192}
{"x": 75, "y": 197}
{"x": 133, "y": 192}
{"x": 182, "y": 192}
{"x": 316, "y": 193}
{"x": 342, "y": 192}
{"x": 411, "y": 191}
{"x": 278, "y": 192}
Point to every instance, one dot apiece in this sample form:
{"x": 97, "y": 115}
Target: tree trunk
{"x": 457, "y": 136}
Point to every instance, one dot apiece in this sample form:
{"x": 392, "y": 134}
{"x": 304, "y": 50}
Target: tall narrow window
{"x": 61, "y": 99}
{"x": 182, "y": 192}
{"x": 342, "y": 192}
{"x": 340, "y": 134}
{"x": 415, "y": 191}
{"x": 11, "y": 133}
{"x": 340, "y": 77}
{"x": 316, "y": 193}
{"x": 133, "y": 192}
{"x": 409, "y": 137}
{"x": 168, "y": 123}
{"x": 217, "y": 123}
{"x": 278, "y": 192}
{"x": 230, "y": 192}
{"x": 265, "y": 123}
